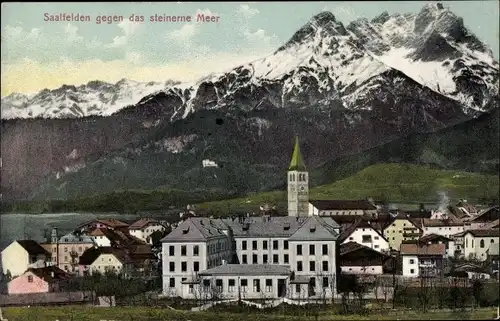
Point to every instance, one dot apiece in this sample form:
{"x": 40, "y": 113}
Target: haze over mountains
{"x": 343, "y": 89}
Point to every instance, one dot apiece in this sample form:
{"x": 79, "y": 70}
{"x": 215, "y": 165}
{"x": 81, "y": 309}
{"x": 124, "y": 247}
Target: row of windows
{"x": 265, "y": 259}
{"x": 312, "y": 266}
{"x": 481, "y": 243}
{"x": 231, "y": 284}
{"x": 195, "y": 250}
{"x": 275, "y": 246}
{"x": 300, "y": 178}
{"x": 184, "y": 266}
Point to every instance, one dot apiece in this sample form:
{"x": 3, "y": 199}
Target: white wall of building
{"x": 370, "y": 238}
{"x": 446, "y": 231}
{"x": 410, "y": 266}
{"x": 145, "y": 232}
{"x": 101, "y": 241}
{"x": 15, "y": 259}
{"x": 477, "y": 247}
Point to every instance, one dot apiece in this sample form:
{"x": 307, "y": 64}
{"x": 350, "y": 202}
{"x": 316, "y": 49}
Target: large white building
{"x": 296, "y": 254}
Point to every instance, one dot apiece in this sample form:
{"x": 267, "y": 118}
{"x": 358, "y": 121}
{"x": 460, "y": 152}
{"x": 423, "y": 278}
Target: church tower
{"x": 298, "y": 184}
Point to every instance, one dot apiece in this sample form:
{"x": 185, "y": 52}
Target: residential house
{"x": 477, "y": 242}
{"x": 240, "y": 281}
{"x": 67, "y": 249}
{"x": 111, "y": 224}
{"x": 468, "y": 270}
{"x": 143, "y": 228}
{"x": 105, "y": 260}
{"x": 38, "y": 280}
{"x": 449, "y": 243}
{"x": 483, "y": 218}
{"x": 362, "y": 232}
{"x": 359, "y": 259}
{"x": 342, "y": 207}
{"x": 422, "y": 260}
{"x": 305, "y": 244}
{"x": 447, "y": 227}
{"x": 23, "y": 254}
{"x": 106, "y": 237}
{"x": 402, "y": 229}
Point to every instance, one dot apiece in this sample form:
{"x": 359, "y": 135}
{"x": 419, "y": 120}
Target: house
{"x": 240, "y": 281}
{"x": 38, "y": 280}
{"x": 402, "y": 229}
{"x": 67, "y": 249}
{"x": 469, "y": 270}
{"x": 477, "y": 242}
{"x": 111, "y": 224}
{"x": 483, "y": 218}
{"x": 422, "y": 260}
{"x": 23, "y": 254}
{"x": 342, "y": 207}
{"x": 104, "y": 260}
{"x": 359, "y": 259}
{"x": 305, "y": 244}
{"x": 449, "y": 244}
{"x": 143, "y": 228}
{"x": 447, "y": 227}
{"x": 106, "y": 237}
{"x": 362, "y": 232}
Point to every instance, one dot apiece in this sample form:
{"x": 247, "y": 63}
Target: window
{"x": 231, "y": 284}
{"x": 264, "y": 245}
{"x": 412, "y": 261}
{"x": 325, "y": 282}
{"x": 244, "y": 259}
{"x": 412, "y": 271}
{"x": 297, "y": 288}
{"x": 367, "y": 238}
{"x": 312, "y": 266}
{"x": 171, "y": 283}
{"x": 172, "y": 267}
{"x": 196, "y": 250}
{"x": 196, "y": 266}
{"x": 255, "y": 259}
{"x": 269, "y": 285}
{"x": 254, "y": 245}
{"x": 275, "y": 245}
{"x": 481, "y": 244}
{"x": 256, "y": 285}
{"x": 312, "y": 249}
{"x": 325, "y": 249}
{"x": 285, "y": 245}
{"x": 218, "y": 285}
{"x": 30, "y": 278}
{"x": 183, "y": 266}
{"x": 375, "y": 238}
{"x": 191, "y": 288}
{"x": 376, "y": 246}
{"x": 264, "y": 259}
{"x": 351, "y": 238}
{"x": 299, "y": 266}
{"x": 206, "y": 283}
{"x": 299, "y": 249}
{"x": 285, "y": 259}
{"x": 325, "y": 266}
{"x": 276, "y": 258}
{"x": 243, "y": 245}
{"x": 183, "y": 250}
{"x": 244, "y": 285}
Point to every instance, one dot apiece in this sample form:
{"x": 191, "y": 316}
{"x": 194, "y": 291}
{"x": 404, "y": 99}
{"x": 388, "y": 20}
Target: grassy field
{"x": 393, "y": 182}
{"x": 79, "y": 313}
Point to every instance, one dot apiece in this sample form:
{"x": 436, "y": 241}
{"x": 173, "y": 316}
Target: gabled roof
{"x": 488, "y": 214}
{"x": 32, "y": 247}
{"x": 247, "y": 269}
{"x": 143, "y": 223}
{"x": 117, "y": 237}
{"x": 483, "y": 233}
{"x": 196, "y": 229}
{"x": 414, "y": 221}
{"x": 359, "y": 223}
{"x": 297, "y": 162}
{"x": 422, "y": 249}
{"x": 90, "y": 255}
{"x": 433, "y": 237}
{"x": 350, "y": 247}
{"x": 342, "y": 205}
{"x": 49, "y": 273}
{"x": 316, "y": 228}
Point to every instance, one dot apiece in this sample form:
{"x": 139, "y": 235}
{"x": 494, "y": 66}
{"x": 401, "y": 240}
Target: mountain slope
{"x": 327, "y": 83}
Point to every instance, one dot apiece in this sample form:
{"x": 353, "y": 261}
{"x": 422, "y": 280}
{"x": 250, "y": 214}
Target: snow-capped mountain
{"x": 323, "y": 62}
{"x": 94, "y": 98}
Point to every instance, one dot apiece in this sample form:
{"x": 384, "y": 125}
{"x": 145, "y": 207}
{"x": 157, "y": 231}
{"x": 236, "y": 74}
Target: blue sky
{"x": 37, "y": 54}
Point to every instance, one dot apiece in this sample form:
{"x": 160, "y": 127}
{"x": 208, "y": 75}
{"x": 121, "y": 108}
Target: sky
{"x": 38, "y": 54}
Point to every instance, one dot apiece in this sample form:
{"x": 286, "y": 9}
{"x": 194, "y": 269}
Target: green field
{"x": 398, "y": 183}
{"x": 79, "y": 313}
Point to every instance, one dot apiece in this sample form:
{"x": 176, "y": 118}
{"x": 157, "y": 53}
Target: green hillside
{"x": 391, "y": 182}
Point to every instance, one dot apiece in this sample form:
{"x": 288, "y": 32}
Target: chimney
{"x": 223, "y": 262}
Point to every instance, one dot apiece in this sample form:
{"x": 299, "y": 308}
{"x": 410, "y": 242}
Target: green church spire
{"x": 297, "y": 163}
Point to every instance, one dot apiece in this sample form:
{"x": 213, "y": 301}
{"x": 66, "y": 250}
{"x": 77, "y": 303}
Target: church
{"x": 298, "y": 194}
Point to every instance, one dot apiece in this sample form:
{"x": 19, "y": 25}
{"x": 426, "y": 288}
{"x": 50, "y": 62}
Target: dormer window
{"x": 312, "y": 229}
{"x": 246, "y": 226}
{"x": 286, "y": 227}
{"x": 185, "y": 231}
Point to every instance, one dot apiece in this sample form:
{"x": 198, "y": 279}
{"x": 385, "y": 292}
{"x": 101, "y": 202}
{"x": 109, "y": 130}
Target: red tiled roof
{"x": 49, "y": 273}
{"x": 143, "y": 222}
{"x": 422, "y": 249}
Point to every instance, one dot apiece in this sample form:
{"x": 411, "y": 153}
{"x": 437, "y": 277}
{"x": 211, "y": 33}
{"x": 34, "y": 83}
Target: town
{"x": 320, "y": 251}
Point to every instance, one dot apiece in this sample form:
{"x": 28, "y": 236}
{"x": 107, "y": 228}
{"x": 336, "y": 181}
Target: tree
{"x": 477, "y": 289}
{"x": 73, "y": 260}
